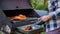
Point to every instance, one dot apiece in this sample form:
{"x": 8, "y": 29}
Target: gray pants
{"x": 57, "y": 31}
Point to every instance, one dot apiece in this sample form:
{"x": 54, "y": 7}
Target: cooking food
{"x": 27, "y": 28}
{"x": 19, "y": 17}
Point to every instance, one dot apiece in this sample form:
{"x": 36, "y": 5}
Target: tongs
{"x": 28, "y": 18}
{"x": 38, "y": 20}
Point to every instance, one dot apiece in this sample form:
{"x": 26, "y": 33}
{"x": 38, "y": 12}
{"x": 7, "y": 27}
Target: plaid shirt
{"x": 54, "y": 10}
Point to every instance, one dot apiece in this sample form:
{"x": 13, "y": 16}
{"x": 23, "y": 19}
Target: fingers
{"x": 44, "y": 18}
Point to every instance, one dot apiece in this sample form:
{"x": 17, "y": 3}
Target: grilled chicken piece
{"x": 27, "y": 28}
{"x": 19, "y": 17}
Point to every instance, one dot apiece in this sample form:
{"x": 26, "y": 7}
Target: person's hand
{"x": 45, "y": 18}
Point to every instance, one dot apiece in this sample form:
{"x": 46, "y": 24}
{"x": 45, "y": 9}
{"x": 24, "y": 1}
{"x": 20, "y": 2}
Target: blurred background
{"x": 40, "y": 4}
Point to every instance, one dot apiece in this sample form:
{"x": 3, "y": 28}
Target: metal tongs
{"x": 38, "y": 20}
{"x": 28, "y": 18}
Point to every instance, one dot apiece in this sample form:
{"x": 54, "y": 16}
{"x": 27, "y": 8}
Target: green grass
{"x": 39, "y": 4}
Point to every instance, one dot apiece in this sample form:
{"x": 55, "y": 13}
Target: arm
{"x": 50, "y": 7}
{"x": 55, "y": 12}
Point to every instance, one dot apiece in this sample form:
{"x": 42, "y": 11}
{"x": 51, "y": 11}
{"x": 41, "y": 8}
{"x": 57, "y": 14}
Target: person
{"x": 52, "y": 19}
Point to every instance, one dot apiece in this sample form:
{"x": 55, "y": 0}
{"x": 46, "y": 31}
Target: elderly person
{"x": 52, "y": 19}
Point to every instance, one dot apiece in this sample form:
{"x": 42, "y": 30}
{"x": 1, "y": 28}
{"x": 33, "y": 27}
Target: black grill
{"x": 27, "y": 12}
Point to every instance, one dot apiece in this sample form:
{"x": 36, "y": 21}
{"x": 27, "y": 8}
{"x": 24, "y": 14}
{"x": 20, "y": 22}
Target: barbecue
{"x": 24, "y": 19}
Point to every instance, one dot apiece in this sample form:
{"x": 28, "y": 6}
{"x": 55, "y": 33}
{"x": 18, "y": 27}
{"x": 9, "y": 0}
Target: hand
{"x": 45, "y": 18}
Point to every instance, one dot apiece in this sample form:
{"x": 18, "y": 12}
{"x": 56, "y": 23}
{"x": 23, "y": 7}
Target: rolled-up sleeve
{"x": 55, "y": 12}
{"x": 51, "y": 7}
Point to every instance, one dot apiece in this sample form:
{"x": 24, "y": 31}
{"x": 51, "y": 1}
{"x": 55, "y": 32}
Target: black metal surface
{"x": 26, "y": 12}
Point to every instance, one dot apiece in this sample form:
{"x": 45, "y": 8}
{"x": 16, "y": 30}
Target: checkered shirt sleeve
{"x": 53, "y": 11}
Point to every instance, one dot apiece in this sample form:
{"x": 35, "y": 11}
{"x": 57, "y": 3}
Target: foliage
{"x": 39, "y": 4}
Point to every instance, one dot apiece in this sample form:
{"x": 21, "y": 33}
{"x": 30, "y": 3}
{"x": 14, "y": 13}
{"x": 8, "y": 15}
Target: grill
{"x": 30, "y": 13}
{"x": 27, "y": 12}
{"x": 24, "y": 7}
